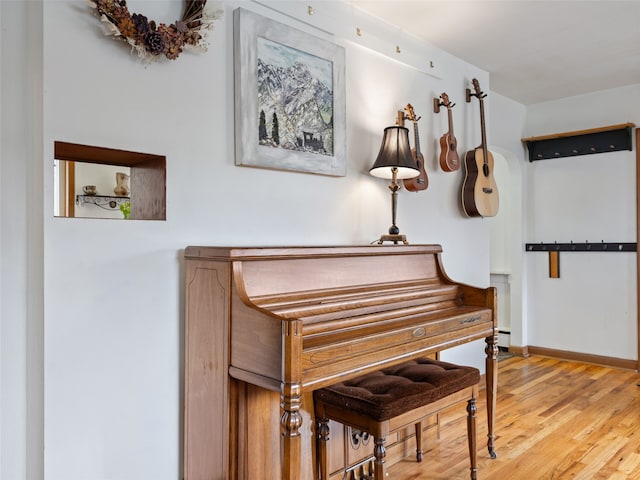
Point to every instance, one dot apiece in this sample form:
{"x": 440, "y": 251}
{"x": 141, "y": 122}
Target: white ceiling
{"x": 534, "y": 50}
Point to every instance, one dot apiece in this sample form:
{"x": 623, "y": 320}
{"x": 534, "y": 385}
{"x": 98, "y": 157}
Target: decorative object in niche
{"x": 122, "y": 184}
{"x": 89, "y": 189}
{"x": 581, "y": 142}
{"x": 289, "y": 98}
{"x": 150, "y": 40}
{"x": 125, "y": 208}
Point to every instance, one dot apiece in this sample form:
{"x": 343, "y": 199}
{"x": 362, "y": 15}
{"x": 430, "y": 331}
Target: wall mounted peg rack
{"x": 584, "y": 142}
{"x": 555, "y": 248}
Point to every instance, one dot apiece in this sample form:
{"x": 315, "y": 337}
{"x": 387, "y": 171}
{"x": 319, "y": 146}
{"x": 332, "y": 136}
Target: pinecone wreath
{"x": 150, "y": 40}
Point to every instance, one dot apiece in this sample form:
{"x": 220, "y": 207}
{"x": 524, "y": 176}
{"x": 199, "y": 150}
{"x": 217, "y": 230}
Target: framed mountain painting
{"x": 289, "y": 98}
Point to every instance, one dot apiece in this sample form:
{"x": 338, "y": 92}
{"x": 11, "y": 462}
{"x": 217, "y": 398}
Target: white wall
{"x": 112, "y": 292}
{"x": 21, "y": 242}
{"x": 591, "y": 308}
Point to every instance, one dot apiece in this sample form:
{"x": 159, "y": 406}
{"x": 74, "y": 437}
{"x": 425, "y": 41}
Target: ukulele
{"x": 421, "y": 182}
{"x": 479, "y": 189}
{"x": 449, "y": 159}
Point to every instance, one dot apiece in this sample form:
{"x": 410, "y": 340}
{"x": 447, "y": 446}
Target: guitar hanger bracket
{"x": 469, "y": 95}
{"x": 437, "y": 103}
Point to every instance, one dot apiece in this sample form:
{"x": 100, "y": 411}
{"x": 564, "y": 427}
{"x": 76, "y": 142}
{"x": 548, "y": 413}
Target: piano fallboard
{"x": 341, "y": 359}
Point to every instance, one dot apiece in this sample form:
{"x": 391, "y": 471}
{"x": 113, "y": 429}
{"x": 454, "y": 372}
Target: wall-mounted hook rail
{"x": 583, "y": 142}
{"x": 555, "y": 248}
{"x": 582, "y": 247}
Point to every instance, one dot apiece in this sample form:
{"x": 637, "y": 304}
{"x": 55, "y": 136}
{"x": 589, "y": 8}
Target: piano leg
{"x": 291, "y": 401}
{"x": 492, "y": 389}
{"x": 291, "y": 421}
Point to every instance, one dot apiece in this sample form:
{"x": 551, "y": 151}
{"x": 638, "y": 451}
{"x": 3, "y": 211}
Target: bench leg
{"x": 322, "y": 437}
{"x": 379, "y": 451}
{"x": 471, "y": 435}
{"x": 419, "y": 441}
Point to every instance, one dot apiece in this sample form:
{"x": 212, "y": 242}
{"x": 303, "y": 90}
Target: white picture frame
{"x": 290, "y": 125}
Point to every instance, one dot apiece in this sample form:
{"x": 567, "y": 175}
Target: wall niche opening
{"x": 80, "y": 166}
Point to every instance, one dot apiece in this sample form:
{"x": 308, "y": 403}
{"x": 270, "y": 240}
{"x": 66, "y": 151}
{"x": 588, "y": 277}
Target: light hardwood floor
{"x": 555, "y": 420}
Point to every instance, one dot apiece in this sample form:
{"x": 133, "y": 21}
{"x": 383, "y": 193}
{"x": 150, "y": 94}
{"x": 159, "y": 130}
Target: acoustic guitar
{"x": 449, "y": 159}
{"x": 479, "y": 189}
{"x": 421, "y": 182}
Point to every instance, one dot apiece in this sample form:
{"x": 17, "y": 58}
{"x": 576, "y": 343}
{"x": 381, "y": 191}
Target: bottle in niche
{"x": 122, "y": 184}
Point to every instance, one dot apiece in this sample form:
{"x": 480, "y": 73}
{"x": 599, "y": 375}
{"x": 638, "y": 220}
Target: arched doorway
{"x": 507, "y": 251}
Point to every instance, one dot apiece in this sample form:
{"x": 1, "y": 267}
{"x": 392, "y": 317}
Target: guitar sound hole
{"x": 485, "y": 170}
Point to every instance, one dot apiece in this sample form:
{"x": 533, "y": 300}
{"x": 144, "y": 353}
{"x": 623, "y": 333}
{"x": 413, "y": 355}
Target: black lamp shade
{"x": 395, "y": 152}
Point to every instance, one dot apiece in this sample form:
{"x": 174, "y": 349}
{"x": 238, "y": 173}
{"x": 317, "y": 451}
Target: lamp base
{"x": 393, "y": 238}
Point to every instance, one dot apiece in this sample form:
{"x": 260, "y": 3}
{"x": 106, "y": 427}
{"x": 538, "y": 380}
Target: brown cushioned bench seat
{"x": 371, "y": 401}
{"x": 395, "y": 390}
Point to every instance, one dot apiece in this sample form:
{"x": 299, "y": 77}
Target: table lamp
{"x": 396, "y": 162}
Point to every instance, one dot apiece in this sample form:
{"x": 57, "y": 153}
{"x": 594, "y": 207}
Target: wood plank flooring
{"x": 555, "y": 420}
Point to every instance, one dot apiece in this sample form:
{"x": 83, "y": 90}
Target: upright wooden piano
{"x": 266, "y": 326}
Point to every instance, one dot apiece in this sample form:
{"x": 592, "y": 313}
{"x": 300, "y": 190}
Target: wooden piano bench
{"x": 388, "y": 400}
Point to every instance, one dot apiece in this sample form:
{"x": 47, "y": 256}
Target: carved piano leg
{"x": 291, "y": 401}
{"x": 492, "y": 389}
{"x": 291, "y": 421}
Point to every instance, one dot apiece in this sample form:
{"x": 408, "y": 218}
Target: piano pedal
{"x": 364, "y": 470}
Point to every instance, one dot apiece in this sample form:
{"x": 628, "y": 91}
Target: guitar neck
{"x": 483, "y": 131}
{"x": 416, "y": 138}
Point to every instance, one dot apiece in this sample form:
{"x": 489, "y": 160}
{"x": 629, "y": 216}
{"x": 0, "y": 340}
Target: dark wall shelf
{"x": 103, "y": 201}
{"x": 583, "y": 142}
